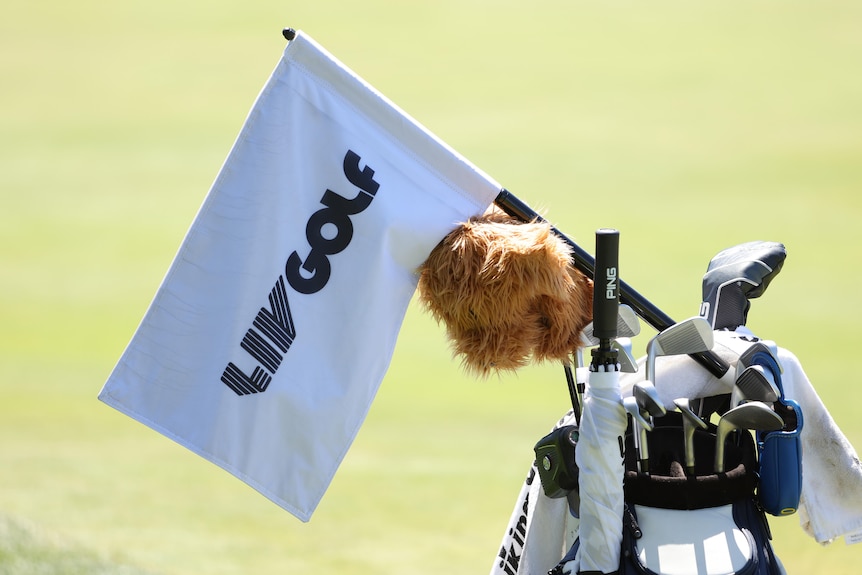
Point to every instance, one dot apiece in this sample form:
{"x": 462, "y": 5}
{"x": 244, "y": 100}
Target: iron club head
{"x": 640, "y": 426}
{"x": 650, "y": 405}
{"x": 758, "y": 348}
{"x": 691, "y": 335}
{"x": 648, "y": 399}
{"x": 628, "y": 364}
{"x": 751, "y": 415}
{"x": 628, "y": 325}
{"x": 755, "y": 383}
{"x": 631, "y": 406}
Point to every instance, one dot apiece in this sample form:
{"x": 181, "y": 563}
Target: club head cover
{"x": 734, "y": 277}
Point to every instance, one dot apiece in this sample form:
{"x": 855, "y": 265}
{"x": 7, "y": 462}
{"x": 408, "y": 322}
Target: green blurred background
{"x": 688, "y": 126}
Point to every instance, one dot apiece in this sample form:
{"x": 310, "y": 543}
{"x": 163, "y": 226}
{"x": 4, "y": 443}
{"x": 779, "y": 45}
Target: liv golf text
{"x": 273, "y": 330}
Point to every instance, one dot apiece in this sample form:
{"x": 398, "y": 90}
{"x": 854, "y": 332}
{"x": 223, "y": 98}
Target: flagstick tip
{"x": 289, "y": 34}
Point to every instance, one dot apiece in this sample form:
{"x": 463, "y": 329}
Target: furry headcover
{"x": 506, "y": 292}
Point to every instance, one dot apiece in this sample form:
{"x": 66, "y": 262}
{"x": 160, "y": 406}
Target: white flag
{"x": 274, "y": 326}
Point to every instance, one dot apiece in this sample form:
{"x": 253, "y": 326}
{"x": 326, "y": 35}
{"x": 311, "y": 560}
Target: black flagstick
{"x": 586, "y": 264}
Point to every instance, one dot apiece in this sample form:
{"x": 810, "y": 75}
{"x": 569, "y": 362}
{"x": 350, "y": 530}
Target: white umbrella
{"x": 600, "y": 460}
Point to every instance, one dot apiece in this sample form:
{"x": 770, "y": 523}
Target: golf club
{"x": 639, "y": 423}
{"x": 633, "y": 409}
{"x": 648, "y": 399}
{"x": 689, "y": 336}
{"x": 751, "y": 415}
{"x": 650, "y": 405}
{"x": 628, "y": 364}
{"x": 628, "y": 325}
{"x": 690, "y": 422}
{"x": 763, "y": 353}
{"x": 573, "y": 392}
{"x": 692, "y": 335}
{"x": 754, "y": 383}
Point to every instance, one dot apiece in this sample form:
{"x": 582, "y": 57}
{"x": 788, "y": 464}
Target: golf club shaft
{"x": 585, "y": 263}
{"x": 573, "y": 393}
{"x": 643, "y": 451}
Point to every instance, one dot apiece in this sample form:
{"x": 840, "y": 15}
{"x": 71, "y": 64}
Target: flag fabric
{"x": 269, "y": 336}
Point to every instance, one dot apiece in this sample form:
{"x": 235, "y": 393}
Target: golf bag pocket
{"x": 781, "y": 463}
{"x": 555, "y": 461}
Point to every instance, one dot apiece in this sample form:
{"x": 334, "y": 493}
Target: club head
{"x": 628, "y": 364}
{"x": 650, "y": 405}
{"x": 753, "y": 355}
{"x": 754, "y": 383}
{"x": 648, "y": 399}
{"x": 628, "y": 325}
{"x": 690, "y": 422}
{"x": 688, "y": 415}
{"x": 640, "y": 426}
{"x": 692, "y": 335}
{"x": 773, "y": 349}
{"x": 751, "y": 415}
{"x": 631, "y": 406}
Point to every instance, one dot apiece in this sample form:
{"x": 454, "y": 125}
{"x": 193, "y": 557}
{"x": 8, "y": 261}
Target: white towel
{"x": 831, "y": 503}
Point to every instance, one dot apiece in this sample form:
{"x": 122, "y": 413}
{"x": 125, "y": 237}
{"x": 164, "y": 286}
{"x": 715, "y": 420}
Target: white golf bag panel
{"x": 678, "y": 542}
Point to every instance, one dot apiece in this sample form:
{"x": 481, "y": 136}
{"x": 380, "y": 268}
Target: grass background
{"x": 688, "y": 126}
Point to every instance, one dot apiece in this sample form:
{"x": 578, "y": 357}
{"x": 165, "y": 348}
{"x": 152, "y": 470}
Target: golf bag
{"x": 703, "y": 523}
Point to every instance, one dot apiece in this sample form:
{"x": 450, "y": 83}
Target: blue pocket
{"x": 781, "y": 462}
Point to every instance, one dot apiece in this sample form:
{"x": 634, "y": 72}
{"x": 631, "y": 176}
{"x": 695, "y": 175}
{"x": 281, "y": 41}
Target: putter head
{"x": 692, "y": 335}
{"x": 751, "y": 415}
{"x": 755, "y": 383}
{"x": 647, "y": 398}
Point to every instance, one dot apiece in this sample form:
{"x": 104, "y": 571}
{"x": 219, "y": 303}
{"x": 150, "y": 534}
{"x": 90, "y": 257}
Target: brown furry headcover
{"x": 506, "y": 292}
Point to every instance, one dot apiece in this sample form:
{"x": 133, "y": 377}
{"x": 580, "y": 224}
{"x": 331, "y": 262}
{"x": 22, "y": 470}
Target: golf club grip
{"x": 606, "y": 295}
{"x": 585, "y": 263}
